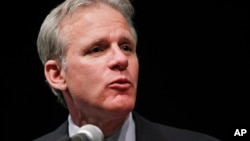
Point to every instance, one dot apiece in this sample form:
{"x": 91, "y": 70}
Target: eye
{"x": 96, "y": 49}
{"x": 126, "y": 47}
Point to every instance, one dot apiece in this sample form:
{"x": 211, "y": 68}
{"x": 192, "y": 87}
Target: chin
{"x": 121, "y": 104}
{"x": 122, "y": 108}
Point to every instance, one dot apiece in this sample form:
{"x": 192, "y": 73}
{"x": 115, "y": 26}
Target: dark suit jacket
{"x": 145, "y": 131}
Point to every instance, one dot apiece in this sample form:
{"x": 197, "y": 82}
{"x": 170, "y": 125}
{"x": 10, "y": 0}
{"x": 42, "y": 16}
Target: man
{"x": 88, "y": 48}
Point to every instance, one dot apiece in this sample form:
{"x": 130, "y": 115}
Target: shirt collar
{"x": 126, "y": 133}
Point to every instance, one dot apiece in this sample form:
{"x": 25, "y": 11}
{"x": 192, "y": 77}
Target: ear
{"x": 55, "y": 75}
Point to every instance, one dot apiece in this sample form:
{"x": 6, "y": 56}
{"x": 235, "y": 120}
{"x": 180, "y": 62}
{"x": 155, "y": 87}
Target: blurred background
{"x": 194, "y": 68}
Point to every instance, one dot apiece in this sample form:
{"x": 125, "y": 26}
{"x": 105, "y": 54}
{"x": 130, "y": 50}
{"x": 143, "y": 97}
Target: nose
{"x": 118, "y": 59}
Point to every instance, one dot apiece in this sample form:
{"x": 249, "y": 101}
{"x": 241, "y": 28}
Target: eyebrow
{"x": 122, "y": 39}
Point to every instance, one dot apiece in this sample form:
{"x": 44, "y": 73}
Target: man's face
{"x": 101, "y": 62}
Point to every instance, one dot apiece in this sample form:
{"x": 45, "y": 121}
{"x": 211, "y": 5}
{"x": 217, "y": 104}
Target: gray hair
{"x": 51, "y": 44}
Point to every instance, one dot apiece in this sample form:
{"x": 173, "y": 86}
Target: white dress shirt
{"x": 126, "y": 133}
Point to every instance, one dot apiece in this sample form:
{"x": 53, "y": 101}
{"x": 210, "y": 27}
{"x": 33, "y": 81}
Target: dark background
{"x": 194, "y": 68}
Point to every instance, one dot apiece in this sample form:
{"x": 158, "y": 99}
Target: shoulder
{"x": 147, "y": 130}
{"x": 60, "y": 132}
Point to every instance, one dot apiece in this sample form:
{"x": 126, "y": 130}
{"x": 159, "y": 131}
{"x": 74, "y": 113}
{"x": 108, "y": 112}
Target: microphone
{"x": 87, "y": 132}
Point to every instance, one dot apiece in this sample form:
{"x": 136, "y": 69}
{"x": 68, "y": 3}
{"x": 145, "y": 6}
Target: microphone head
{"x": 92, "y": 132}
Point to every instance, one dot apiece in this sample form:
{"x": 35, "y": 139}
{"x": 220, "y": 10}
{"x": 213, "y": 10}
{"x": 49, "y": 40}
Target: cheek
{"x": 83, "y": 87}
{"x": 134, "y": 69}
{"x": 78, "y": 70}
{"x": 82, "y": 78}
{"x": 75, "y": 75}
